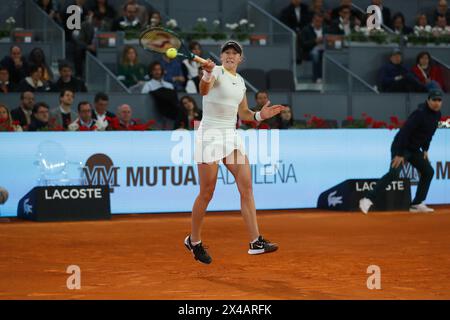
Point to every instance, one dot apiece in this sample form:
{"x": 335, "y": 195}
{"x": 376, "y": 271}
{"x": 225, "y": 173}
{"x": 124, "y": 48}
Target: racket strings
{"x": 159, "y": 40}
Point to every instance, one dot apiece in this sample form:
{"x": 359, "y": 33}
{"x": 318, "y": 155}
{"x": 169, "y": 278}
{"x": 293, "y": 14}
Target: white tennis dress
{"x": 216, "y": 136}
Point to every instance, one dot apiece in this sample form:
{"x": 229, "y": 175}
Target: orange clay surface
{"x": 322, "y": 255}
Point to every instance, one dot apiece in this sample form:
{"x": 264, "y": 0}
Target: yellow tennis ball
{"x": 171, "y": 53}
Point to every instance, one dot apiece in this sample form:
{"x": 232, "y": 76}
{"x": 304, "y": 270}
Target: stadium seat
{"x": 257, "y": 77}
{"x": 280, "y": 80}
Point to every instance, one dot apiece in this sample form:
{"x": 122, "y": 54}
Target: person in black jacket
{"x": 399, "y": 25}
{"x": 100, "y": 111}
{"x": 16, "y": 64}
{"x": 188, "y": 114}
{"x": 312, "y": 44}
{"x": 23, "y": 113}
{"x": 6, "y": 85}
{"x": 40, "y": 118}
{"x": 394, "y": 77}
{"x": 296, "y": 16}
{"x": 345, "y": 23}
{"x": 354, "y": 14}
{"x": 35, "y": 82}
{"x": 411, "y": 144}
{"x": 67, "y": 80}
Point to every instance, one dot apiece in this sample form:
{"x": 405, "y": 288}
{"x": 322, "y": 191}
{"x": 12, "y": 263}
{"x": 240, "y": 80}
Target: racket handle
{"x": 199, "y": 60}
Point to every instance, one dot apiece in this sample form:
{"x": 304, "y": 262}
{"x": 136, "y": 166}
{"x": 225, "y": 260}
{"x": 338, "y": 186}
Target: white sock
{"x": 196, "y": 243}
{"x": 255, "y": 240}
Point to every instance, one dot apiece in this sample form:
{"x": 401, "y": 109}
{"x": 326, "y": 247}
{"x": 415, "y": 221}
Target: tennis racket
{"x": 159, "y": 40}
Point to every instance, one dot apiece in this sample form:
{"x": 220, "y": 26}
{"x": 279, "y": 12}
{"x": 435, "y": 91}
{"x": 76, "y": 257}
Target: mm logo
{"x": 100, "y": 170}
{"x": 409, "y": 172}
{"x": 443, "y": 170}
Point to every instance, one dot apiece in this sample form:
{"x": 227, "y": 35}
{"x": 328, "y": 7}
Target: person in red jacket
{"x": 428, "y": 74}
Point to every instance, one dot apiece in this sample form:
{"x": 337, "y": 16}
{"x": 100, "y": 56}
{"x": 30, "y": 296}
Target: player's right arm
{"x": 207, "y": 80}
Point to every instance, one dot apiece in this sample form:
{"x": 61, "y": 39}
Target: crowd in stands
{"x": 422, "y": 77}
{"x": 20, "y": 74}
{"x": 65, "y": 116}
{"x": 312, "y": 23}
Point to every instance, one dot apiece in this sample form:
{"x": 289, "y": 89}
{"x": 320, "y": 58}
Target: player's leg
{"x": 426, "y": 172}
{"x": 239, "y": 166}
{"x": 207, "y": 174}
{"x": 382, "y": 183}
{"x": 207, "y": 177}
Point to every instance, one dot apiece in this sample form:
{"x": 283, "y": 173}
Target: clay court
{"x": 323, "y": 255}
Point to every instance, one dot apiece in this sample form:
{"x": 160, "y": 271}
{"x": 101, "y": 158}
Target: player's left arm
{"x": 266, "y": 112}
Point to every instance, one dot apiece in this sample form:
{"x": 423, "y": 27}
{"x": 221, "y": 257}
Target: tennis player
{"x": 411, "y": 144}
{"x": 216, "y": 139}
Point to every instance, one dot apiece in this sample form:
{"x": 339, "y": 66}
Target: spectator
{"x": 49, "y": 7}
{"x": 344, "y": 25}
{"x": 399, "y": 26}
{"x": 296, "y": 15}
{"x": 104, "y": 11}
{"x": 6, "y": 86}
{"x": 385, "y": 12}
{"x": 124, "y": 119}
{"x": 40, "y": 117}
{"x": 84, "y": 122}
{"x": 35, "y": 82}
{"x": 100, "y": 112}
{"x": 441, "y": 10}
{"x": 6, "y": 121}
{"x": 262, "y": 98}
{"x": 163, "y": 92}
{"x": 422, "y": 21}
{"x": 23, "y": 113}
{"x": 428, "y": 74}
{"x": 286, "y": 118}
{"x": 394, "y": 77}
{"x": 37, "y": 57}
{"x": 174, "y": 72}
{"x": 129, "y": 23}
{"x": 16, "y": 65}
{"x": 142, "y": 11}
{"x": 131, "y": 72}
{"x": 441, "y": 26}
{"x": 67, "y": 80}
{"x": 312, "y": 44}
{"x": 156, "y": 73}
{"x": 318, "y": 7}
{"x": 188, "y": 115}
{"x": 192, "y": 68}
{"x": 355, "y": 16}
{"x": 63, "y": 115}
{"x": 155, "y": 20}
{"x": 85, "y": 41}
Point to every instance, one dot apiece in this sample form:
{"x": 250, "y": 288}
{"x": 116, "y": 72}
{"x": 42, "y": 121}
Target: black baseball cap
{"x": 435, "y": 94}
{"x": 232, "y": 44}
{"x": 396, "y": 51}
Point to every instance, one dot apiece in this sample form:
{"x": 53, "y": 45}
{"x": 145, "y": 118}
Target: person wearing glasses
{"x": 411, "y": 144}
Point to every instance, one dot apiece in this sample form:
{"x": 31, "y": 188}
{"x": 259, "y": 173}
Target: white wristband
{"x": 258, "y": 116}
{"x": 207, "y": 76}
